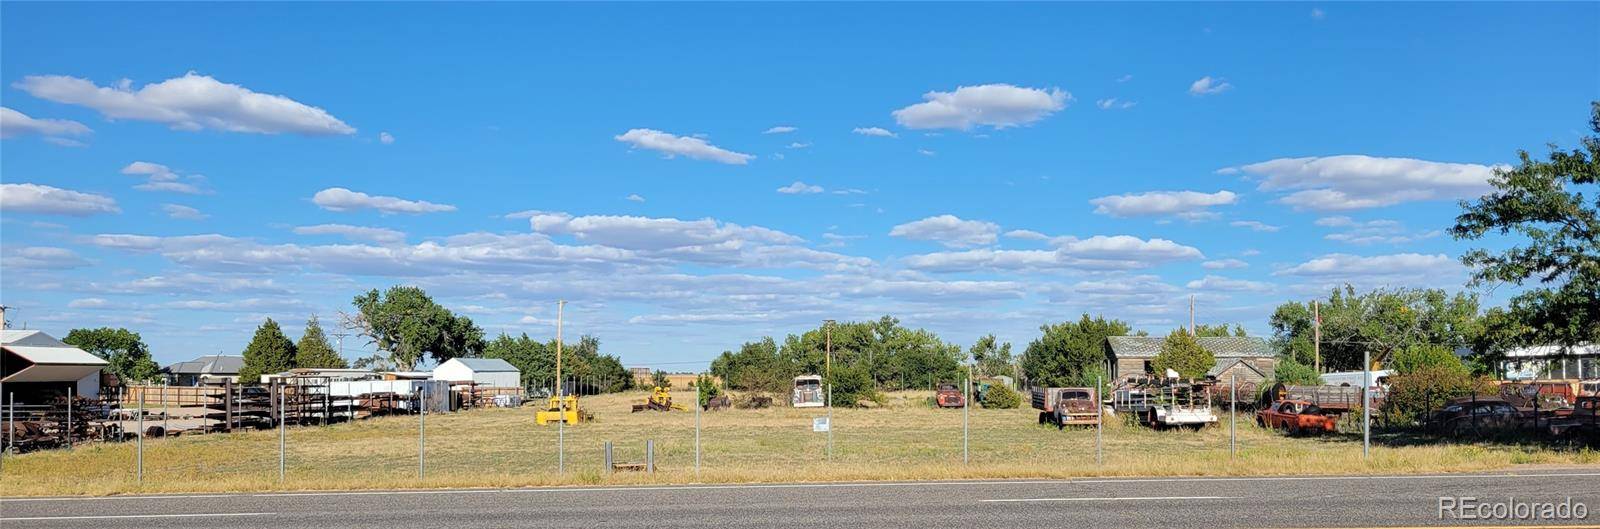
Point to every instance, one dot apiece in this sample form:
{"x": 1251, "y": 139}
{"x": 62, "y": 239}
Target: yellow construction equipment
{"x": 659, "y": 400}
{"x": 556, "y": 410}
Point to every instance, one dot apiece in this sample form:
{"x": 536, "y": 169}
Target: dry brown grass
{"x": 905, "y": 440}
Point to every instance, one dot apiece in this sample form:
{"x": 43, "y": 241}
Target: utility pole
{"x": 1316, "y": 333}
{"x": 1191, "y": 314}
{"x": 340, "y": 336}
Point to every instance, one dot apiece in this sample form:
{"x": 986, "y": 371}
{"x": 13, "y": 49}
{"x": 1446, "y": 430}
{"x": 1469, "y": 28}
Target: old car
{"x": 1065, "y": 407}
{"x": 949, "y": 396}
{"x": 1475, "y": 415}
{"x": 1297, "y": 417}
{"x": 1584, "y": 419}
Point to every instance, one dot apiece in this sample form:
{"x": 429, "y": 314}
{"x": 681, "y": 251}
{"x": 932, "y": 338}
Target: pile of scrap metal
{"x": 1165, "y": 402}
{"x": 1331, "y": 399}
{"x": 659, "y": 400}
{"x": 719, "y": 402}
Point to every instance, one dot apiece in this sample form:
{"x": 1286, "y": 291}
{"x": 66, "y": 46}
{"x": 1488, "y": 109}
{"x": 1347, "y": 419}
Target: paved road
{"x": 1209, "y": 503}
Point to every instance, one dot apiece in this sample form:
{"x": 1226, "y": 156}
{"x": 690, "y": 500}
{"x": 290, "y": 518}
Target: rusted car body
{"x": 949, "y": 396}
{"x": 1297, "y": 417}
{"x": 1584, "y": 419}
{"x": 1065, "y": 407}
{"x": 1478, "y": 415}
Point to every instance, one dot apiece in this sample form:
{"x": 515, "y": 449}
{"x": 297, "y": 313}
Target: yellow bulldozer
{"x": 557, "y": 410}
{"x": 659, "y": 400}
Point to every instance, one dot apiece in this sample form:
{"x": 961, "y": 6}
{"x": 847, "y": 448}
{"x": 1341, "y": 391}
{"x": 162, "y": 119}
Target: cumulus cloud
{"x": 1223, "y": 264}
{"x": 41, "y": 258}
{"x": 1340, "y": 265}
{"x": 1118, "y": 252}
{"x": 15, "y": 124}
{"x": 1028, "y": 235}
{"x": 178, "y": 211}
{"x": 1224, "y": 284}
{"x": 1255, "y": 225}
{"x": 354, "y": 233}
{"x": 949, "y": 230}
{"x": 162, "y": 178}
{"x": 875, "y": 131}
{"x": 341, "y": 199}
{"x": 654, "y": 233}
{"x": 1112, "y": 103}
{"x": 635, "y": 198}
{"x": 799, "y": 145}
{"x": 686, "y": 146}
{"x": 800, "y": 188}
{"x": 1189, "y": 205}
{"x": 191, "y": 102}
{"x": 1345, "y": 182}
{"x": 1122, "y": 248}
{"x": 1206, "y": 86}
{"x": 47, "y": 200}
{"x": 780, "y": 129}
{"x": 995, "y": 105}
{"x": 1379, "y": 231}
{"x": 385, "y": 138}
{"x": 926, "y": 152}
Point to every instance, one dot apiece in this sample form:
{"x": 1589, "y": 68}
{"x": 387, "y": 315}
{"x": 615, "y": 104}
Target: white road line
{"x": 859, "y": 484}
{"x": 1152, "y": 498}
{"x": 122, "y": 516}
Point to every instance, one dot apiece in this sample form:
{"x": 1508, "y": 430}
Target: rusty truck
{"x": 1065, "y": 407}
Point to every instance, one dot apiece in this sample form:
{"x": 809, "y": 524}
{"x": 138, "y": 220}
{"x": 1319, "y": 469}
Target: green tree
{"x": 990, "y": 357}
{"x": 1416, "y": 357}
{"x": 1071, "y": 353}
{"x": 707, "y": 388}
{"x": 1219, "y": 331}
{"x": 1001, "y": 397}
{"x": 659, "y": 379}
{"x": 126, "y": 353}
{"x": 314, "y": 349}
{"x": 269, "y": 352}
{"x": 755, "y": 367}
{"x": 407, "y": 324}
{"x": 1541, "y": 207}
{"x": 1413, "y": 395}
{"x": 1378, "y": 323}
{"x": 1180, "y": 352}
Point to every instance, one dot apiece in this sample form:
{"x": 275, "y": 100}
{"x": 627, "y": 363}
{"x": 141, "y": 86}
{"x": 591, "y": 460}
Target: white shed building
{"x": 486, "y": 372}
{"x": 37, "y": 367}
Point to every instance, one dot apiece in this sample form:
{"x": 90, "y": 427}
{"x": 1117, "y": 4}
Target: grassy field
{"x": 904, "y": 440}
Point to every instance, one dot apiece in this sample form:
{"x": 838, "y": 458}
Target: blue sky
{"x": 694, "y": 176}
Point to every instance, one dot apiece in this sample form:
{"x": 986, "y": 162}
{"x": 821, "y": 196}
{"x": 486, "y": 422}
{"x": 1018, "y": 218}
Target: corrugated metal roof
{"x": 1224, "y": 365}
{"x": 56, "y": 355}
{"x": 29, "y": 337}
{"x": 208, "y": 365}
{"x": 487, "y": 365}
{"x": 1220, "y": 346}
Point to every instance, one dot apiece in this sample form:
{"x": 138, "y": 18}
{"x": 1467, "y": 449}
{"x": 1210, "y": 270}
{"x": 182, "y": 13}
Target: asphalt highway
{"x": 1210, "y": 503}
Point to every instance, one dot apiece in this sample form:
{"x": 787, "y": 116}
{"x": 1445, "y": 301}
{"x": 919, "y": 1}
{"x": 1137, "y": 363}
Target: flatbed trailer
{"x": 1167, "y": 404}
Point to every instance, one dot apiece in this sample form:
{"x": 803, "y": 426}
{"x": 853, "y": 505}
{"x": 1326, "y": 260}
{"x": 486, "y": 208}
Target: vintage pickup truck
{"x": 1065, "y": 407}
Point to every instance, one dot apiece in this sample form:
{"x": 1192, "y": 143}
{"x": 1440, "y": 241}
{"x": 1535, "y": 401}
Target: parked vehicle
{"x": 1166, "y": 403}
{"x": 1477, "y": 415}
{"x": 1335, "y": 399}
{"x": 1297, "y": 417}
{"x": 1067, "y": 406}
{"x": 808, "y": 392}
{"x": 1584, "y": 419}
{"x": 949, "y": 396}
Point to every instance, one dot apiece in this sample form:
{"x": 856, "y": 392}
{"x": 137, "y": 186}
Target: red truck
{"x": 949, "y": 396}
{"x": 1296, "y": 417}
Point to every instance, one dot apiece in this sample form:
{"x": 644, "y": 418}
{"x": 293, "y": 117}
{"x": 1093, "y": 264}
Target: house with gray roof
{"x": 209, "y": 369}
{"x": 1244, "y": 356}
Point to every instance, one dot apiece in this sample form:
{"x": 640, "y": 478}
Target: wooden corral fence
{"x": 171, "y": 395}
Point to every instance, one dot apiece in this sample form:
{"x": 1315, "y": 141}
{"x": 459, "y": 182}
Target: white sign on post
{"x": 819, "y": 424}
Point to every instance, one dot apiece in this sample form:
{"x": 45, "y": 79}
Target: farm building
{"x": 209, "y": 369}
{"x": 1243, "y": 355}
{"x": 1550, "y": 362}
{"x": 36, "y": 367}
{"x": 488, "y": 372}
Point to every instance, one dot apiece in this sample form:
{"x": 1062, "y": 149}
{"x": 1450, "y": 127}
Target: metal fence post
{"x": 830, "y": 421}
{"x": 1366, "y": 404}
{"x": 610, "y": 461}
{"x": 650, "y": 456}
{"x": 561, "y": 431}
{"x": 697, "y": 408}
{"x": 139, "y": 444}
{"x": 422, "y": 433}
{"x": 1233, "y": 414}
{"x": 1099, "y": 423}
{"x": 69, "y": 418}
{"x": 166, "y": 414}
{"x": 281, "y": 436}
{"x": 966, "y": 407}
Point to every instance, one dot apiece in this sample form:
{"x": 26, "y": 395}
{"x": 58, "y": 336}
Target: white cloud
{"x": 800, "y": 188}
{"x": 1354, "y": 181}
{"x": 1029, "y": 235}
{"x": 874, "y": 131}
{"x": 1119, "y": 252}
{"x": 780, "y": 129}
{"x": 385, "y": 138}
{"x": 1125, "y": 78}
{"x": 1224, "y": 284}
{"x": 996, "y": 105}
{"x": 47, "y": 200}
{"x": 63, "y": 142}
{"x": 849, "y": 191}
{"x": 15, "y": 124}
{"x": 191, "y": 102}
{"x": 798, "y": 145}
{"x": 1380, "y": 231}
{"x": 1317, "y": 13}
{"x": 1124, "y": 248}
{"x": 1255, "y": 225}
{"x": 926, "y": 152}
{"x": 341, "y": 199}
{"x": 1224, "y": 264}
{"x": 162, "y": 178}
{"x": 1189, "y": 205}
{"x": 1112, "y": 103}
{"x": 690, "y": 147}
{"x": 1206, "y": 86}
{"x": 354, "y": 233}
{"x": 654, "y": 233}
{"x": 40, "y": 257}
{"x": 635, "y": 198}
{"x": 88, "y": 303}
{"x": 178, "y": 211}
{"x": 949, "y": 230}
{"x": 1395, "y": 265}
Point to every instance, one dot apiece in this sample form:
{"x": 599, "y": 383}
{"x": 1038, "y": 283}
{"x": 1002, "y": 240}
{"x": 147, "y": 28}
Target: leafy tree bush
{"x": 1413, "y": 358}
{"x": 1379, "y": 322}
{"x": 408, "y": 324}
{"x": 852, "y": 385}
{"x": 1413, "y": 395}
{"x": 707, "y": 388}
{"x": 582, "y": 360}
{"x": 269, "y": 352}
{"x": 1180, "y": 352}
{"x": 1070, "y": 353}
{"x": 659, "y": 379}
{"x": 1290, "y": 373}
{"x": 1001, "y": 397}
{"x": 314, "y": 349}
{"x": 889, "y": 355}
{"x": 991, "y": 357}
{"x": 124, "y": 350}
